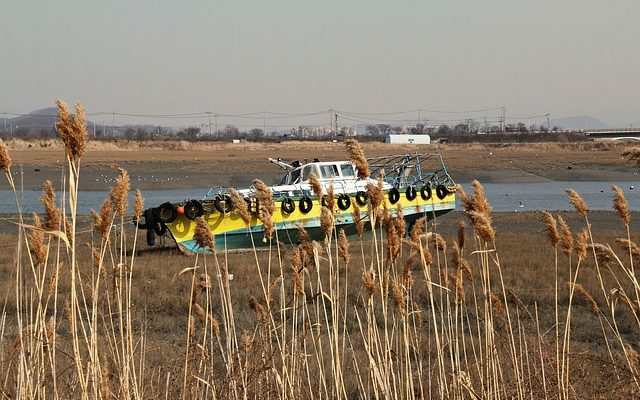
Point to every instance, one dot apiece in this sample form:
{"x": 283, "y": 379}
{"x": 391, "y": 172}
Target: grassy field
{"x": 470, "y": 305}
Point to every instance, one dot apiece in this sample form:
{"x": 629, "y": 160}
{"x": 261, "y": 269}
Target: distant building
{"x": 408, "y": 139}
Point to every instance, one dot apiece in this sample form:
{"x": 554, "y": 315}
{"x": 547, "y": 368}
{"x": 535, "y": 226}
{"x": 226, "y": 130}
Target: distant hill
{"x": 579, "y": 122}
{"x": 39, "y": 119}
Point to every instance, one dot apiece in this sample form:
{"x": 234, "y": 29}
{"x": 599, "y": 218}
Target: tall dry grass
{"x": 406, "y": 313}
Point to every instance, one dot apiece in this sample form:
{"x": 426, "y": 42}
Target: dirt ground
{"x": 179, "y": 164}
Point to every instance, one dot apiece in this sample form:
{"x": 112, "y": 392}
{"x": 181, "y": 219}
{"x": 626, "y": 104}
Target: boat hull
{"x": 230, "y": 232}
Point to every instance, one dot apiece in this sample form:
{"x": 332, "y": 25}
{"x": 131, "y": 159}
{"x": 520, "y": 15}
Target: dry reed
{"x": 621, "y": 206}
{"x": 356, "y": 155}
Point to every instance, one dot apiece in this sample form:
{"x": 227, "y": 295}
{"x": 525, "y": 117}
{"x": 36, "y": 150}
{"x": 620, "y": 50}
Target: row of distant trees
{"x": 461, "y": 128}
{"x": 233, "y": 132}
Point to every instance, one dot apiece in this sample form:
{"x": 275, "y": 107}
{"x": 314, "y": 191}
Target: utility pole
{"x": 419, "y": 117}
{"x": 335, "y": 115}
{"x": 548, "y": 121}
{"x": 503, "y": 119}
{"x": 331, "y": 119}
{"x": 209, "y": 115}
{"x": 264, "y": 124}
{"x": 113, "y": 124}
{"x": 215, "y": 120}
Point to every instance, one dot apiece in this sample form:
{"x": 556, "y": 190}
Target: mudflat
{"x": 181, "y": 164}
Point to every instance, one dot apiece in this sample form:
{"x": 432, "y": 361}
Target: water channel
{"x": 504, "y": 197}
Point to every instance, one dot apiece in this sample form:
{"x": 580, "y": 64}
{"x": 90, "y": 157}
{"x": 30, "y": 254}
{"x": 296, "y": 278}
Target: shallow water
{"x": 502, "y": 196}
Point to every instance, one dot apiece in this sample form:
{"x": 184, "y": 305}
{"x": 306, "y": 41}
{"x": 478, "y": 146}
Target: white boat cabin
{"x": 342, "y": 175}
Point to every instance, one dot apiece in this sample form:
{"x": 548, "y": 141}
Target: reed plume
{"x": 203, "y": 236}
{"x": 603, "y": 253}
{"x": 480, "y": 202}
{"x": 482, "y": 224}
{"x": 5, "y": 159}
{"x": 330, "y": 200}
{"x": 467, "y": 201}
{"x": 582, "y": 242}
{"x": 119, "y": 193}
{"x": 369, "y": 282}
{"x": 566, "y": 238}
{"x": 241, "y": 206}
{"x": 621, "y": 206}
{"x": 552, "y": 228}
{"x": 102, "y": 221}
{"x": 586, "y": 297}
{"x": 72, "y": 130}
{"x": 267, "y": 207}
{"x": 375, "y": 195}
{"x": 401, "y": 224}
{"x": 261, "y": 313}
{"x": 138, "y": 204}
{"x": 343, "y": 246}
{"x": 418, "y": 229}
{"x": 326, "y": 220}
{"x": 578, "y": 202}
{"x": 265, "y": 196}
{"x": 398, "y": 299}
{"x": 356, "y": 155}
{"x": 630, "y": 246}
{"x": 497, "y": 305}
{"x": 36, "y": 242}
{"x": 461, "y": 235}
{"x": 478, "y": 210}
{"x": 51, "y": 212}
{"x": 315, "y": 185}
{"x": 357, "y": 220}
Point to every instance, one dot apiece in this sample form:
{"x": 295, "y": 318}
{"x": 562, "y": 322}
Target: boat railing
{"x": 411, "y": 169}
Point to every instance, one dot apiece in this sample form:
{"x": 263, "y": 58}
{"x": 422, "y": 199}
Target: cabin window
{"x": 291, "y": 178}
{"x": 347, "y": 170}
{"x": 329, "y": 171}
{"x": 306, "y": 172}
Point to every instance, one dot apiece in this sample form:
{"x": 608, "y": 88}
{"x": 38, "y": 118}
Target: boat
{"x": 418, "y": 184}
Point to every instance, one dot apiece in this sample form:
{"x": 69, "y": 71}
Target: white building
{"x": 408, "y": 139}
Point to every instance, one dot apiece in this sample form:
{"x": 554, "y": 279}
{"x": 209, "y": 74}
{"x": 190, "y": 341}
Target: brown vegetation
{"x": 502, "y": 314}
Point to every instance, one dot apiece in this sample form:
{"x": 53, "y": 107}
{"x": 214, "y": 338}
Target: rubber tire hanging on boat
{"x": 394, "y": 195}
{"x": 305, "y": 204}
{"x": 288, "y": 206}
{"x": 361, "y": 198}
{"x": 160, "y": 228}
{"x": 441, "y": 192}
{"x": 425, "y": 192}
{"x": 411, "y": 193}
{"x": 166, "y": 212}
{"x": 223, "y": 203}
{"x": 149, "y": 224}
{"x": 344, "y": 202}
{"x": 193, "y": 210}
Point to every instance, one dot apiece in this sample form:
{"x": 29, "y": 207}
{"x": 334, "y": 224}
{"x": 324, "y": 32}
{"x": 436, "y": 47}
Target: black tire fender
{"x": 361, "y": 198}
{"x": 193, "y": 209}
{"x": 425, "y": 192}
{"x": 223, "y": 203}
{"x": 394, "y": 195}
{"x": 441, "y": 192}
{"x": 288, "y": 206}
{"x": 411, "y": 193}
{"x": 344, "y": 202}
{"x": 160, "y": 228}
{"x": 305, "y": 204}
{"x": 151, "y": 238}
{"x": 166, "y": 212}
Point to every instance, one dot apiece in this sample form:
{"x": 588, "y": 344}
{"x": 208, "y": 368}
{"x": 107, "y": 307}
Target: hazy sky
{"x": 569, "y": 57}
